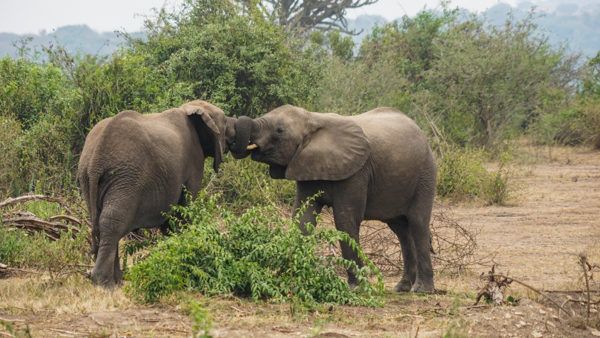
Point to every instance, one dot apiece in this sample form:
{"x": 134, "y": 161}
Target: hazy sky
{"x": 32, "y": 16}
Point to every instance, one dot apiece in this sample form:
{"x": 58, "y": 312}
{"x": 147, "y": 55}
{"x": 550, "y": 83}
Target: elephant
{"x": 373, "y": 166}
{"x": 134, "y": 167}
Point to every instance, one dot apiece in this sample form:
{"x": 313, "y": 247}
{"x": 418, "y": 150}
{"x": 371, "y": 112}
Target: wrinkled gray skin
{"x": 134, "y": 167}
{"x": 373, "y": 166}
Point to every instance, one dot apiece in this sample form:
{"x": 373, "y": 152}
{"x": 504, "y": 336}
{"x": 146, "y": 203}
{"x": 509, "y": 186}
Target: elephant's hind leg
{"x": 409, "y": 259}
{"x": 106, "y": 271}
{"x": 118, "y": 273}
{"x": 418, "y": 228}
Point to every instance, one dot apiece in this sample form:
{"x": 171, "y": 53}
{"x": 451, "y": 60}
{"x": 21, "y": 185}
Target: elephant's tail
{"x": 91, "y": 183}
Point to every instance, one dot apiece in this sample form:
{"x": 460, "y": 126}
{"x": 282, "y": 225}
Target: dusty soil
{"x": 553, "y": 215}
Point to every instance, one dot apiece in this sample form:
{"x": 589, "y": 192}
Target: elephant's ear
{"x": 202, "y": 113}
{"x": 335, "y": 150}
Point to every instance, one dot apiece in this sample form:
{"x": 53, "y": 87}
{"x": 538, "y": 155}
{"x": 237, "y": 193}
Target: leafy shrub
{"x": 562, "y": 127}
{"x": 244, "y": 184}
{"x": 590, "y": 120}
{"x": 36, "y": 251}
{"x": 10, "y": 135}
{"x": 47, "y": 162}
{"x": 258, "y": 254}
{"x": 462, "y": 175}
{"x": 497, "y": 188}
{"x": 201, "y": 321}
{"x": 13, "y": 244}
{"x": 29, "y": 89}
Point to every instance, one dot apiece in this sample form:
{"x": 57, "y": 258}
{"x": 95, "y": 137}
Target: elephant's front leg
{"x": 348, "y": 212}
{"x": 308, "y": 205}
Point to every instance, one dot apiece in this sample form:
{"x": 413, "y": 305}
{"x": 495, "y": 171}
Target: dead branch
{"x": 536, "y": 291}
{"x": 51, "y": 228}
{"x": 586, "y": 266}
{"x": 5, "y": 269}
{"x": 494, "y": 288}
{"x": 70, "y": 219}
{"x": 31, "y": 223}
{"x": 31, "y": 197}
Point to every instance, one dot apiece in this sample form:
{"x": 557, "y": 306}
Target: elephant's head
{"x": 213, "y": 128}
{"x": 301, "y": 145}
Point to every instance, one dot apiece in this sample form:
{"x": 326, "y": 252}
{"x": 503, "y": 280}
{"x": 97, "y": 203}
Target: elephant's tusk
{"x": 251, "y": 146}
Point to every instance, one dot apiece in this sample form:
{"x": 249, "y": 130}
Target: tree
{"x": 299, "y": 16}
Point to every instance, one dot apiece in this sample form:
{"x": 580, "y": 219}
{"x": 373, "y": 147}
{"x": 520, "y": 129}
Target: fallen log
{"x": 31, "y": 223}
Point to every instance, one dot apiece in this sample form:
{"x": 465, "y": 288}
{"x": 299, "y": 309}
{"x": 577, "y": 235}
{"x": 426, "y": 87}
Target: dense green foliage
{"x": 258, "y": 254}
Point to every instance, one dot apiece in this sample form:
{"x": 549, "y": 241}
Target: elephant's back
{"x": 390, "y": 132}
{"x": 401, "y": 161}
{"x": 130, "y": 139}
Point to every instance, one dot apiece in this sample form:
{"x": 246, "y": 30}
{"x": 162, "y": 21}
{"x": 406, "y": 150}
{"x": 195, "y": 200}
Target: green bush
{"x": 29, "y": 89}
{"x": 47, "y": 161}
{"x": 258, "y": 254}
{"x": 563, "y": 127}
{"x": 13, "y": 244}
{"x": 36, "y": 251}
{"x": 10, "y": 136}
{"x": 244, "y": 184}
{"x": 463, "y": 176}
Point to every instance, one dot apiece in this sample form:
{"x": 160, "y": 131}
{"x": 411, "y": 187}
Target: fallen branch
{"x": 560, "y": 307}
{"x": 67, "y": 218}
{"x": 585, "y": 266}
{"x": 31, "y": 223}
{"x": 31, "y": 197}
{"x": 51, "y": 228}
{"x": 494, "y": 289}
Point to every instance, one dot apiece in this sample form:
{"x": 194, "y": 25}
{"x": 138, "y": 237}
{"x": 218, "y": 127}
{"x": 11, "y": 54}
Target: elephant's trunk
{"x": 243, "y": 132}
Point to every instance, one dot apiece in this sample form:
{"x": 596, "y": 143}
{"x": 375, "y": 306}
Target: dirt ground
{"x": 552, "y": 216}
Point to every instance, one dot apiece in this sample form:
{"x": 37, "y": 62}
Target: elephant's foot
{"x": 118, "y": 277}
{"x": 106, "y": 281}
{"x": 352, "y": 281}
{"x": 403, "y": 285}
{"x": 422, "y": 287}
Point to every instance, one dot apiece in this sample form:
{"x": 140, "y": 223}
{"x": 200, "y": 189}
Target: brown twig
{"x": 31, "y": 197}
{"x": 585, "y": 266}
{"x": 494, "y": 288}
{"x": 536, "y": 291}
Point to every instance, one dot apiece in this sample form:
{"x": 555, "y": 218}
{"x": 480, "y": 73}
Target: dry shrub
{"x": 453, "y": 244}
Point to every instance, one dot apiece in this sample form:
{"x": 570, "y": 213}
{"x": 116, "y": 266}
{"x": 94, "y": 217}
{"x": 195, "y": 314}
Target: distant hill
{"x": 575, "y": 24}
{"x": 572, "y": 22}
{"x": 75, "y": 39}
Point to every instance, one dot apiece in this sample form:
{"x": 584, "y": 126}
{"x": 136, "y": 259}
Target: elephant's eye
{"x": 279, "y": 130}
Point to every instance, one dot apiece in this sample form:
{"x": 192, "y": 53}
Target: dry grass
{"x": 71, "y": 295}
